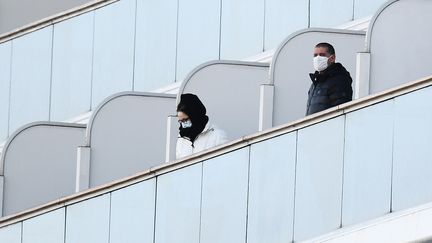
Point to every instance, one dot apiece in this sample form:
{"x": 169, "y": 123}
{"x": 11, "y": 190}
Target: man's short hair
{"x": 330, "y": 48}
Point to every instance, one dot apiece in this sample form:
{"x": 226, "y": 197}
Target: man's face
{"x": 322, "y": 51}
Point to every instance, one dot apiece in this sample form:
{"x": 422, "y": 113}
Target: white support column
{"x": 266, "y": 107}
{"x": 171, "y": 138}
{"x": 361, "y": 88}
{"x": 1, "y": 195}
{"x": 82, "y": 181}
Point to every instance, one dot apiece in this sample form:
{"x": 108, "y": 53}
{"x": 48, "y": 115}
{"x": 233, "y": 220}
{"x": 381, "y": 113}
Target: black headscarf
{"x": 192, "y": 106}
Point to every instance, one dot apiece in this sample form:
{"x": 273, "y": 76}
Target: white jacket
{"x": 210, "y": 137}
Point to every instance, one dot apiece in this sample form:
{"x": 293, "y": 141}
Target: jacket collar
{"x": 330, "y": 71}
{"x": 207, "y": 128}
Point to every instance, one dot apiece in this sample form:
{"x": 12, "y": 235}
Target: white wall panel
{"x": 113, "y": 49}
{"x": 330, "y": 13}
{"x": 242, "y": 26}
{"x": 412, "y": 157}
{"x": 224, "y": 198}
{"x": 88, "y": 221}
{"x": 282, "y": 18}
{"x": 72, "y": 67}
{"x": 318, "y": 192}
{"x": 45, "y": 228}
{"x": 5, "y": 65}
{"x": 155, "y": 51}
{"x": 271, "y": 190}
{"x": 11, "y": 233}
{"x": 366, "y": 8}
{"x": 178, "y": 206}
{"x": 132, "y": 213}
{"x": 368, "y": 163}
{"x": 31, "y": 78}
{"x": 198, "y": 34}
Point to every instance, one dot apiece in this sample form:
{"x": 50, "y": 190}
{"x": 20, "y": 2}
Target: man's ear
{"x": 332, "y": 58}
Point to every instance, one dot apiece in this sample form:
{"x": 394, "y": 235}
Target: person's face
{"x": 184, "y": 120}
{"x": 322, "y": 51}
{"x": 182, "y": 117}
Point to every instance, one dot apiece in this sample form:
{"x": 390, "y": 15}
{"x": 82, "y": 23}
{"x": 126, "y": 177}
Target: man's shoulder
{"x": 339, "y": 74}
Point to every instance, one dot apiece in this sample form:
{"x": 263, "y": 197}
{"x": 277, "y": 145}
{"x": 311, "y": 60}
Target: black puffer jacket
{"x": 329, "y": 88}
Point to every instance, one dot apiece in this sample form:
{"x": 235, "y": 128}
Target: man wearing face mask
{"x": 196, "y": 133}
{"x": 331, "y": 82}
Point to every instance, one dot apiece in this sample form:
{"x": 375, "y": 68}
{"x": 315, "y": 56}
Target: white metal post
{"x": 82, "y": 181}
{"x": 361, "y": 87}
{"x": 172, "y": 134}
{"x": 266, "y": 107}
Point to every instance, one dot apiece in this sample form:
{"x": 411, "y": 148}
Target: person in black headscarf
{"x": 196, "y": 133}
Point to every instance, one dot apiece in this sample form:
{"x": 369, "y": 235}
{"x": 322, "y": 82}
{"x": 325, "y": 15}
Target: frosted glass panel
{"x": 400, "y": 23}
{"x": 45, "y": 228}
{"x": 113, "y": 50}
{"x": 412, "y": 157}
{"x": 198, "y": 34}
{"x": 319, "y": 179}
{"x": 283, "y": 17}
{"x": 5, "y": 58}
{"x": 178, "y": 206}
{"x": 72, "y": 67}
{"x": 330, "y": 13}
{"x": 368, "y": 163}
{"x": 31, "y": 74}
{"x": 224, "y": 198}
{"x": 11, "y": 233}
{"x": 242, "y": 28}
{"x": 88, "y": 221}
{"x": 271, "y": 190}
{"x": 132, "y": 213}
{"x": 155, "y": 50}
{"x": 365, "y": 8}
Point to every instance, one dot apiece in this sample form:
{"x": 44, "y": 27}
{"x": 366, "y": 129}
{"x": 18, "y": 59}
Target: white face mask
{"x": 320, "y": 63}
{"x": 186, "y": 124}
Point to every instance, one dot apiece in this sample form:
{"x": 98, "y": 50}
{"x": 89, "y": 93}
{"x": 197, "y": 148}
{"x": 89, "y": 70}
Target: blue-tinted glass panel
{"x": 242, "y": 26}
{"x": 132, "y": 213}
{"x": 45, "y": 228}
{"x": 31, "y": 77}
{"x": 224, "y": 198}
{"x": 5, "y": 64}
{"x": 113, "y": 50}
{"x": 283, "y": 17}
{"x": 319, "y": 179}
{"x": 271, "y": 190}
{"x": 198, "y": 34}
{"x": 367, "y": 163}
{"x": 412, "y": 157}
{"x": 178, "y": 206}
{"x": 72, "y": 67}
{"x": 330, "y": 13}
{"x": 155, "y": 50}
{"x": 11, "y": 233}
{"x": 365, "y": 8}
{"x": 88, "y": 221}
